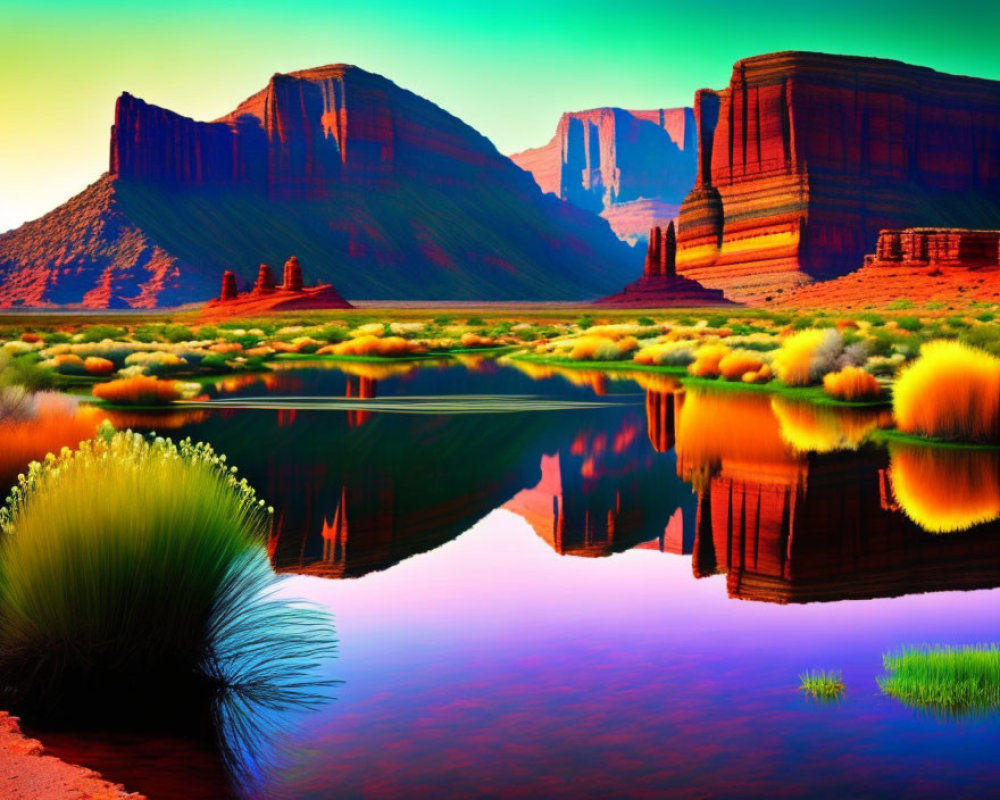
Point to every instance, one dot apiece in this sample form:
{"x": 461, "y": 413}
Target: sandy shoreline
{"x": 27, "y": 772}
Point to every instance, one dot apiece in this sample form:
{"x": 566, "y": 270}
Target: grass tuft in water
{"x": 822, "y": 684}
{"x": 940, "y": 677}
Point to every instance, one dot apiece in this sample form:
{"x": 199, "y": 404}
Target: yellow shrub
{"x": 793, "y": 362}
{"x": 385, "y": 346}
{"x": 600, "y": 348}
{"x": 733, "y": 366}
{"x": 706, "y": 362}
{"x": 951, "y": 391}
{"x": 851, "y": 383}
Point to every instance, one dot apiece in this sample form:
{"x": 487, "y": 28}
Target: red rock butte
{"x": 660, "y": 286}
{"x": 917, "y": 264}
{"x": 386, "y": 196}
{"x": 265, "y": 296}
{"x": 805, "y": 157}
{"x": 631, "y": 167}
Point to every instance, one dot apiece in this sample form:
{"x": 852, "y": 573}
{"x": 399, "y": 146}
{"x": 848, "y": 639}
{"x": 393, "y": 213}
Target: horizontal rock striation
{"x": 805, "y": 157}
{"x": 631, "y": 167}
{"x": 383, "y": 193}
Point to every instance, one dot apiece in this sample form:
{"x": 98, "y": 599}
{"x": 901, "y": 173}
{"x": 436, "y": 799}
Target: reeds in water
{"x": 822, "y": 684}
{"x": 940, "y": 677}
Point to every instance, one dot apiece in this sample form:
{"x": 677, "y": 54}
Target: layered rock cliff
{"x": 631, "y": 167}
{"x": 805, "y": 157}
{"x": 379, "y": 191}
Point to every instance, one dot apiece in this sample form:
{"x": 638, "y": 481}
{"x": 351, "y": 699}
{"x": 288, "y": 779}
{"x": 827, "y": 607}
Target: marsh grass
{"x": 954, "y": 680}
{"x": 111, "y": 564}
{"x": 822, "y": 684}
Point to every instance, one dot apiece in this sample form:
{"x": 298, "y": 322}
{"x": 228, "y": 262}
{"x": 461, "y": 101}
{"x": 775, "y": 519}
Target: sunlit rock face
{"x": 631, "y": 167}
{"x": 384, "y": 194}
{"x": 805, "y": 157}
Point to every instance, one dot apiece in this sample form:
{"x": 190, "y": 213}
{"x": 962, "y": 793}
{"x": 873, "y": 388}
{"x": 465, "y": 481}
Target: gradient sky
{"x": 507, "y": 67}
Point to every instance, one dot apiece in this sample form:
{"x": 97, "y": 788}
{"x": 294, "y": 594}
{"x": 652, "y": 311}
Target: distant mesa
{"x": 660, "y": 285}
{"x": 267, "y": 296}
{"x": 918, "y": 264}
{"x": 805, "y": 157}
{"x": 632, "y": 167}
{"x": 386, "y": 196}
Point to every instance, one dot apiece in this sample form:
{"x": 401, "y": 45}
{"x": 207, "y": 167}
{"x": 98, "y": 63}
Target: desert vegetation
{"x": 952, "y": 391}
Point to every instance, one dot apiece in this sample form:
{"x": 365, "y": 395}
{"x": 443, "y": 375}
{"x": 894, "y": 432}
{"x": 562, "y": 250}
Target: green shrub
{"x": 333, "y": 333}
{"x": 646, "y": 321}
{"x": 98, "y": 333}
{"x": 911, "y": 324}
{"x": 986, "y": 316}
{"x": 901, "y": 304}
{"x": 178, "y": 333}
{"x": 801, "y": 323}
{"x": 475, "y": 322}
{"x": 955, "y": 679}
{"x": 875, "y": 320}
{"x": 584, "y": 322}
{"x": 25, "y": 371}
{"x": 111, "y": 564}
{"x": 985, "y": 337}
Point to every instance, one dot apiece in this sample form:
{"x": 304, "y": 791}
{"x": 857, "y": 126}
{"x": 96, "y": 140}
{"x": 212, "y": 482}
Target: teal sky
{"x": 507, "y": 67}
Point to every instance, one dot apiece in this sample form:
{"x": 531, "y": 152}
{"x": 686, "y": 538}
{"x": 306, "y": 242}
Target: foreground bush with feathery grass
{"x": 851, "y": 383}
{"x": 822, "y": 684}
{"x": 951, "y": 679}
{"x": 951, "y": 391}
{"x": 111, "y": 563}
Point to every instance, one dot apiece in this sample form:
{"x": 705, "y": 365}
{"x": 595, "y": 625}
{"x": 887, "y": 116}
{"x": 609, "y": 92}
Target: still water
{"x": 576, "y": 585}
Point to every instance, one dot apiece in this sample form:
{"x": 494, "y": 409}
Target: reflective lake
{"x": 584, "y": 585}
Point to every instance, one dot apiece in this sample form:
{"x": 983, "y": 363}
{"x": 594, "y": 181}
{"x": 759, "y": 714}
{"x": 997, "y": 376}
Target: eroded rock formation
{"x": 660, "y": 285}
{"x": 917, "y": 264}
{"x": 631, "y": 167}
{"x": 265, "y": 296}
{"x": 805, "y": 157}
{"x": 386, "y": 196}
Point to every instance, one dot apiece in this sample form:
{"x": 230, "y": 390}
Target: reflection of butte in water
{"x": 788, "y": 527}
{"x": 609, "y": 492}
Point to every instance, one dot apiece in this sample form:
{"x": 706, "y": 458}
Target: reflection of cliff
{"x": 786, "y": 525}
{"x": 608, "y": 491}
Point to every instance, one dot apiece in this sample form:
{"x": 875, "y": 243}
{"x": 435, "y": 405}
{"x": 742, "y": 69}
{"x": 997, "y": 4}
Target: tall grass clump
{"x": 822, "y": 684}
{"x": 939, "y": 677}
{"x": 952, "y": 391}
{"x": 112, "y": 558}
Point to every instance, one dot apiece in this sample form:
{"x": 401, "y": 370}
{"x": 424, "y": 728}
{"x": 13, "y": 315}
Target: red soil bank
{"x": 660, "y": 286}
{"x": 28, "y": 773}
{"x": 950, "y": 265}
{"x": 805, "y": 157}
{"x": 631, "y": 167}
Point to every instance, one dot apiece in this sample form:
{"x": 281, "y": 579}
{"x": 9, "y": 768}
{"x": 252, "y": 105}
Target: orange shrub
{"x": 601, "y": 348}
{"x": 762, "y": 375}
{"x": 30, "y": 338}
{"x": 69, "y": 364}
{"x": 851, "y": 383}
{"x": 706, "y": 362}
{"x": 733, "y": 366}
{"x": 139, "y": 390}
{"x": 98, "y": 366}
{"x": 475, "y": 340}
